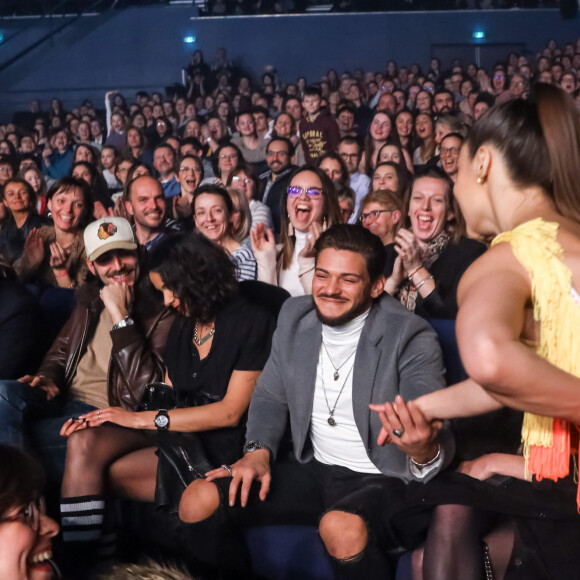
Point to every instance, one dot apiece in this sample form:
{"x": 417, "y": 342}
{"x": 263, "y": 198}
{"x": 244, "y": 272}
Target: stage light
{"x": 189, "y": 39}
{"x": 1, "y": 38}
{"x": 479, "y": 35}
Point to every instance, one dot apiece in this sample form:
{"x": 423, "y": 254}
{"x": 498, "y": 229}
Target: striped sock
{"x": 82, "y": 518}
{"x": 107, "y": 548}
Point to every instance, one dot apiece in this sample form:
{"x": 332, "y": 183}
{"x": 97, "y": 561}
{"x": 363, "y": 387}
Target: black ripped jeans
{"x": 302, "y": 493}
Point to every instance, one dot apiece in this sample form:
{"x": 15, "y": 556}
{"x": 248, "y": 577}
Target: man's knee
{"x": 199, "y": 501}
{"x": 13, "y": 395}
{"x": 345, "y": 535}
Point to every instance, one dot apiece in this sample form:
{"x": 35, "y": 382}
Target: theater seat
{"x": 288, "y": 553}
{"x": 56, "y": 305}
{"x": 445, "y": 329}
{"x": 266, "y": 295}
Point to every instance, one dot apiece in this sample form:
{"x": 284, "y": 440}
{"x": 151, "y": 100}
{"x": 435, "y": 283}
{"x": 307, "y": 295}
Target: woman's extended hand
{"x": 407, "y": 246}
{"x": 262, "y": 239}
{"x": 314, "y": 233}
{"x": 182, "y": 207}
{"x": 34, "y": 249}
{"x": 72, "y": 425}
{"x": 115, "y": 415}
{"x": 58, "y": 256}
{"x": 397, "y": 276}
{"x": 480, "y": 468}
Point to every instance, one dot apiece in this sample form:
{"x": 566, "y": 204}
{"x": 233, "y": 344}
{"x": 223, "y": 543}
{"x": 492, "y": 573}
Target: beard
{"x": 356, "y": 310}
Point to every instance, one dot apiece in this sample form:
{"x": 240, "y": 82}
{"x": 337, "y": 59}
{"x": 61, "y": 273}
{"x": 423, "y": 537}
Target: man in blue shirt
{"x": 164, "y": 163}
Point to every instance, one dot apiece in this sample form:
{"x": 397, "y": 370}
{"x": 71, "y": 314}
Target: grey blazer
{"x": 398, "y": 353}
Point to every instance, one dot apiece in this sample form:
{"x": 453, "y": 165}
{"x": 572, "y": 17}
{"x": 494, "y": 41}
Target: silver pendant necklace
{"x": 203, "y": 340}
{"x": 337, "y": 369}
{"x": 331, "y": 420}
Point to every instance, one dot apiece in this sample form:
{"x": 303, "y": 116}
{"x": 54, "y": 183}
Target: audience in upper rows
{"x": 93, "y": 199}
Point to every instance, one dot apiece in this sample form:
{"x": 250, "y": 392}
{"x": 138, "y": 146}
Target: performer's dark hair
{"x": 539, "y": 140}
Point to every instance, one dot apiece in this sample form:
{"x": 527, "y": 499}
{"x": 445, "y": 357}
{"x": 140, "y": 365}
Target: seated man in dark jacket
{"x": 108, "y": 351}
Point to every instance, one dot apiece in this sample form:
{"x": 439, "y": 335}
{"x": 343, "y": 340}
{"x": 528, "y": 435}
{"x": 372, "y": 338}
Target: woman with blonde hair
{"x": 241, "y": 217}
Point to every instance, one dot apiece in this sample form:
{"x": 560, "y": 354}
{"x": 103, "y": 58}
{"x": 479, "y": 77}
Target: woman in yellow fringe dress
{"x": 518, "y": 331}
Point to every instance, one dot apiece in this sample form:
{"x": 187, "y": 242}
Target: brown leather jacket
{"x": 136, "y": 356}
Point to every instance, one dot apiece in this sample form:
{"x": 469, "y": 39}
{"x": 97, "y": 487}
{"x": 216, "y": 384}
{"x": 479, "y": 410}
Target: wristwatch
{"x": 127, "y": 321}
{"x": 161, "y": 420}
{"x": 254, "y": 446}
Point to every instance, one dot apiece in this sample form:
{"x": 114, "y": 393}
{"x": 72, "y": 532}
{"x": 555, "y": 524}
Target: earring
{"x": 324, "y": 225}
{"x": 290, "y": 228}
{"x": 481, "y": 179}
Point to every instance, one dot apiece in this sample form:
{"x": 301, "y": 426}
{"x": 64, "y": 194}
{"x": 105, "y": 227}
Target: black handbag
{"x": 157, "y": 396}
{"x": 182, "y": 458}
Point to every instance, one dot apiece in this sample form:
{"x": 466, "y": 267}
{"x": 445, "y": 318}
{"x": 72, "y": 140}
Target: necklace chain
{"x": 331, "y": 420}
{"x": 204, "y": 339}
{"x": 337, "y": 369}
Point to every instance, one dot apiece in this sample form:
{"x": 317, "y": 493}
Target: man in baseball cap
{"x": 110, "y": 348}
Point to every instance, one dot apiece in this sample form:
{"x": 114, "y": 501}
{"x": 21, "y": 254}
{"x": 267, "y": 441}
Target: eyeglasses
{"x": 449, "y": 150}
{"x": 295, "y": 191}
{"x": 230, "y": 157}
{"x": 29, "y": 515}
{"x": 189, "y": 170}
{"x": 374, "y": 214}
{"x": 245, "y": 181}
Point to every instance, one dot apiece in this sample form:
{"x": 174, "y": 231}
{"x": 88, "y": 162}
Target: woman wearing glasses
{"x": 311, "y": 206}
{"x": 225, "y": 159}
{"x": 432, "y": 255}
{"x": 381, "y": 213}
{"x": 25, "y": 530}
{"x": 244, "y": 179}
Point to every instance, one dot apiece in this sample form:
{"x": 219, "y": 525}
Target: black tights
{"x": 91, "y": 451}
{"x": 454, "y": 546}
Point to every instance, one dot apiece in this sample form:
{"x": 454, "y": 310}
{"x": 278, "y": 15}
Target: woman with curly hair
{"x": 215, "y": 352}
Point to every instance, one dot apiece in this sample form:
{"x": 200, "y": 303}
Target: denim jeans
{"x": 28, "y": 419}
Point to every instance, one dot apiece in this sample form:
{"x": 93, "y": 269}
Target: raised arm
{"x": 493, "y": 297}
{"x": 465, "y": 399}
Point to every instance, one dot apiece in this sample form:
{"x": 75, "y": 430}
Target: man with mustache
{"x": 110, "y": 348}
{"x": 346, "y": 347}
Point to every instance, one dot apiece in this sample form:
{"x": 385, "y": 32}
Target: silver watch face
{"x": 161, "y": 421}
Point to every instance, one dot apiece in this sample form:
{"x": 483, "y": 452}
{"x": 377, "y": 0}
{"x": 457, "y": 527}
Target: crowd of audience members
{"x": 261, "y": 168}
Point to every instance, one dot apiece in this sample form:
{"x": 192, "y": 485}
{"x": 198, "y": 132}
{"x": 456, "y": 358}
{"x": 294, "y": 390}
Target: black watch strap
{"x": 161, "y": 420}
